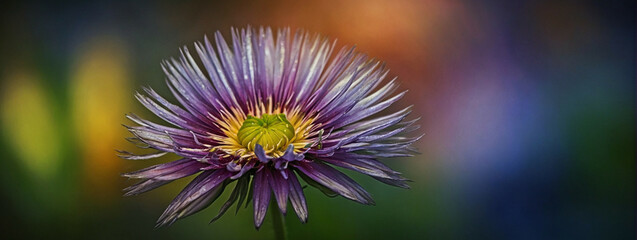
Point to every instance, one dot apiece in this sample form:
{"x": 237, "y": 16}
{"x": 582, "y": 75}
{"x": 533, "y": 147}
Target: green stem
{"x": 277, "y": 221}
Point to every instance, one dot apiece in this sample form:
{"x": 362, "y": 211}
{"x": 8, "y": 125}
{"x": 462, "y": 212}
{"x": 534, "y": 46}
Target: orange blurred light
{"x": 99, "y": 96}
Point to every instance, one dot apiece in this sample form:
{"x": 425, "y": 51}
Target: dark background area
{"x": 528, "y": 109}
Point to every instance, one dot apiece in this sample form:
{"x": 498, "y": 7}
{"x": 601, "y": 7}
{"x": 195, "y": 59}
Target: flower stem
{"x": 277, "y": 222}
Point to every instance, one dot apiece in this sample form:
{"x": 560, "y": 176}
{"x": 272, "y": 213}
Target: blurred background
{"x": 528, "y": 109}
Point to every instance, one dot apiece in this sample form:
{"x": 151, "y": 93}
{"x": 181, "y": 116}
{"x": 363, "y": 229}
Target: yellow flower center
{"x": 273, "y": 128}
{"x": 271, "y": 131}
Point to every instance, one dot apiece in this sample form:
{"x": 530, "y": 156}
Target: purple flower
{"x": 263, "y": 112}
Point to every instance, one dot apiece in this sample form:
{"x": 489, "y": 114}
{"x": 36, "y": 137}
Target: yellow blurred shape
{"x": 29, "y": 125}
{"x": 99, "y": 98}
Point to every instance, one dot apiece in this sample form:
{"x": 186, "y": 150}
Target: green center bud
{"x": 273, "y": 132}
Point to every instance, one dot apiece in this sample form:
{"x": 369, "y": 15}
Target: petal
{"x": 202, "y": 202}
{"x": 289, "y": 154}
{"x": 236, "y": 192}
{"x": 246, "y": 167}
{"x": 199, "y": 193}
{"x": 362, "y": 167}
{"x": 168, "y": 171}
{"x": 260, "y": 153}
{"x": 336, "y": 181}
{"x": 130, "y": 156}
{"x": 262, "y": 194}
{"x": 297, "y": 198}
{"x": 280, "y": 188}
{"x": 243, "y": 192}
{"x": 144, "y": 186}
{"x": 366, "y": 112}
{"x": 393, "y": 182}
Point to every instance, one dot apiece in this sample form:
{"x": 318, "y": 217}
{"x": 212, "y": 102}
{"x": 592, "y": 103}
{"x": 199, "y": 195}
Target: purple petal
{"x": 179, "y": 81}
{"x": 130, "y": 156}
{"x": 194, "y": 196}
{"x": 335, "y": 180}
{"x": 182, "y": 146}
{"x": 196, "y": 120}
{"x": 144, "y": 186}
{"x": 227, "y": 69}
{"x": 236, "y": 192}
{"x": 201, "y": 202}
{"x": 153, "y": 138}
{"x": 365, "y": 124}
{"x": 341, "y": 60}
{"x": 394, "y": 182}
{"x": 297, "y": 198}
{"x": 211, "y": 63}
{"x": 157, "y": 127}
{"x": 387, "y": 134}
{"x": 262, "y": 194}
{"x": 168, "y": 171}
{"x": 363, "y": 113}
{"x": 362, "y": 167}
{"x": 260, "y": 153}
{"x": 178, "y": 199}
{"x": 280, "y": 188}
{"x": 355, "y": 135}
{"x": 249, "y": 165}
{"x": 289, "y": 154}
{"x": 171, "y": 117}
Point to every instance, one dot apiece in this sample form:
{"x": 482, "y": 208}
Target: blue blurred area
{"x": 528, "y": 109}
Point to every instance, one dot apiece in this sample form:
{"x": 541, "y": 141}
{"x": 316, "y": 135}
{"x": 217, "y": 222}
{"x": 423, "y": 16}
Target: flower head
{"x": 264, "y": 111}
